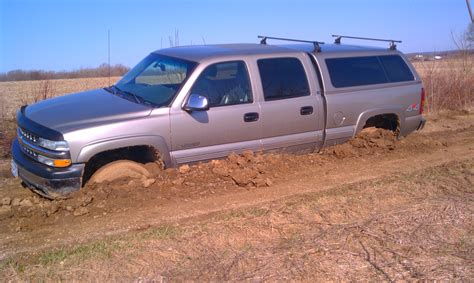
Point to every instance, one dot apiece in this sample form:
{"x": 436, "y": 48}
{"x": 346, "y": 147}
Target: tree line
{"x": 31, "y": 75}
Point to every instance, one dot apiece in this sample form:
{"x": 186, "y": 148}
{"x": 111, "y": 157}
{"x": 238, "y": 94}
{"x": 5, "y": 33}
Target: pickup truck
{"x": 196, "y": 103}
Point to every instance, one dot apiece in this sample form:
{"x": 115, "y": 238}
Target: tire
{"x": 119, "y": 170}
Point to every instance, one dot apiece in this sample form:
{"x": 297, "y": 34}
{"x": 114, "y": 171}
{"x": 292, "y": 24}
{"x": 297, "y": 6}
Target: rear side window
{"x": 355, "y": 71}
{"x": 359, "y": 71}
{"x": 396, "y": 69}
{"x": 283, "y": 78}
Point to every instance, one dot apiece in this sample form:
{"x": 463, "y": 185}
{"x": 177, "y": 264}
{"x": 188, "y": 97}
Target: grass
{"x": 100, "y": 250}
{"x": 13, "y": 264}
{"x": 161, "y": 233}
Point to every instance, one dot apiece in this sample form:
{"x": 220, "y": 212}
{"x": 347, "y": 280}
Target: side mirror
{"x": 196, "y": 102}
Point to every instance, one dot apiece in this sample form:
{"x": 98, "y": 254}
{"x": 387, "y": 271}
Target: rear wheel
{"x": 118, "y": 170}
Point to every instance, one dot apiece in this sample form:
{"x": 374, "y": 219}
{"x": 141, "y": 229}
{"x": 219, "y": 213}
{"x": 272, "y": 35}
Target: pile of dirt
{"x": 245, "y": 170}
{"x": 29, "y": 212}
{"x": 368, "y": 141}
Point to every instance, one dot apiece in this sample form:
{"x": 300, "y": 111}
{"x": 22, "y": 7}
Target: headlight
{"x": 54, "y": 162}
{"x": 54, "y": 145}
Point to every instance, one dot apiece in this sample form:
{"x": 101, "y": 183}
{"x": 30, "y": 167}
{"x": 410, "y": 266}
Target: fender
{"x": 366, "y": 115}
{"x": 156, "y": 142}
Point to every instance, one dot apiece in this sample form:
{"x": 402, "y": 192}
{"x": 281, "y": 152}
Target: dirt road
{"x": 375, "y": 208}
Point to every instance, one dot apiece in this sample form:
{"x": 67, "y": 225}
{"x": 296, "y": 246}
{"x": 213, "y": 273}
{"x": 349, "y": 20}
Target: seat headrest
{"x": 211, "y": 71}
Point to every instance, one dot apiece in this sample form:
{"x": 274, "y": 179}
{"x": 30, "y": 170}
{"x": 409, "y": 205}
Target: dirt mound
{"x": 368, "y": 141}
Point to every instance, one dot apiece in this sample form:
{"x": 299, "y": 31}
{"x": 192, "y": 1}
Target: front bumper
{"x": 45, "y": 180}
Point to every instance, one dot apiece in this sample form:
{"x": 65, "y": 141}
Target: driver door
{"x": 232, "y": 122}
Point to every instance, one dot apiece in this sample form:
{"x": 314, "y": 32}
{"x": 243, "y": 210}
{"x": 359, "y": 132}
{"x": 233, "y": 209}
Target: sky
{"x": 70, "y": 34}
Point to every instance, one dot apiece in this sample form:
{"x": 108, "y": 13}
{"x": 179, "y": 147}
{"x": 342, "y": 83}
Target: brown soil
{"x": 30, "y": 224}
{"x": 247, "y": 171}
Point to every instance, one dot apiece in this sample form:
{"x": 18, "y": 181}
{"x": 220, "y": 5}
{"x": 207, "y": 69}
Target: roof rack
{"x": 316, "y": 44}
{"x": 393, "y": 46}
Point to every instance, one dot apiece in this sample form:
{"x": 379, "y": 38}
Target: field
{"x": 449, "y": 83}
{"x": 14, "y": 94}
{"x": 374, "y": 209}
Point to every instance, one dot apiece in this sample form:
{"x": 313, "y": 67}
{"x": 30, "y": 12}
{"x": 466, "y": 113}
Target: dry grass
{"x": 15, "y": 94}
{"x": 45, "y": 90}
{"x": 449, "y": 83}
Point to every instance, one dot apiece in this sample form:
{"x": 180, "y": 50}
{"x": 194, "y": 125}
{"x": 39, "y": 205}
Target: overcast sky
{"x": 66, "y": 35}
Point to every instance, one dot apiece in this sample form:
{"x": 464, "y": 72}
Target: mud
{"x": 244, "y": 171}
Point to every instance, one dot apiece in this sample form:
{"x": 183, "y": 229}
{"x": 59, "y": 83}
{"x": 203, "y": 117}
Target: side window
{"x": 396, "y": 69}
{"x": 283, "y": 78}
{"x": 224, "y": 83}
{"x": 355, "y": 71}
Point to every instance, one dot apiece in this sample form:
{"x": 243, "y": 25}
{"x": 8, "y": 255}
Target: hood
{"x": 84, "y": 109}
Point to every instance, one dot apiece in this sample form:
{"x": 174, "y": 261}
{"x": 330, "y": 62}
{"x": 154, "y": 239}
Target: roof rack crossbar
{"x": 393, "y": 46}
{"x": 316, "y": 44}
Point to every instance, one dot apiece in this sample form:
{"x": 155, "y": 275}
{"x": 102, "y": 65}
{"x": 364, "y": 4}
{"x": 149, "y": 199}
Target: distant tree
{"x": 469, "y": 36}
{"x": 101, "y": 71}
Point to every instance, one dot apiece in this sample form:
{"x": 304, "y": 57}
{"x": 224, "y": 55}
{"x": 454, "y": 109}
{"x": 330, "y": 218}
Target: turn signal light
{"x": 62, "y": 162}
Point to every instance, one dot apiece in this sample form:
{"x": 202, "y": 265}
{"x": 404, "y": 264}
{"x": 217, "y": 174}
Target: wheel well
{"x": 384, "y": 121}
{"x": 141, "y": 154}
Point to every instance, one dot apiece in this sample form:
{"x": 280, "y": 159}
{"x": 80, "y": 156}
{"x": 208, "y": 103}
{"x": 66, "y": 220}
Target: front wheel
{"x": 118, "y": 170}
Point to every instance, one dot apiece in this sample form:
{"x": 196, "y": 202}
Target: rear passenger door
{"x": 292, "y": 108}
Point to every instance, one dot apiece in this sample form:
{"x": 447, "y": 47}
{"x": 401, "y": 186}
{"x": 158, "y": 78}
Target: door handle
{"x": 251, "y": 117}
{"x": 306, "y": 110}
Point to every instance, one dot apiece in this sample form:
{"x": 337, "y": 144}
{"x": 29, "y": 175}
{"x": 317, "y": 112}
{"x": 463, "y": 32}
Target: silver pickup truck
{"x": 196, "y": 103}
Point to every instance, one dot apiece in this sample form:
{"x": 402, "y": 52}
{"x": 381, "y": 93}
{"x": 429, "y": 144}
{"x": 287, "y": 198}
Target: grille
{"x": 27, "y": 135}
{"x": 29, "y": 152}
{"x": 30, "y": 146}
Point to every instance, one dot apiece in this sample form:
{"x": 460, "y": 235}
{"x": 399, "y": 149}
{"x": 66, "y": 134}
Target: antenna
{"x": 108, "y": 45}
{"x": 469, "y": 10}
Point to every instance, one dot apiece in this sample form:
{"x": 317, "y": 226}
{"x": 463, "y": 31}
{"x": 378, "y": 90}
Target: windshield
{"x": 156, "y": 79}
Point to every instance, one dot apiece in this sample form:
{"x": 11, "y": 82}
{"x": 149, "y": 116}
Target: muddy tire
{"x": 118, "y": 170}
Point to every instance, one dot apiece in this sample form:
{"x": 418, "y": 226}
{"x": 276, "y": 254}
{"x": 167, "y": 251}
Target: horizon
{"x": 58, "y": 29}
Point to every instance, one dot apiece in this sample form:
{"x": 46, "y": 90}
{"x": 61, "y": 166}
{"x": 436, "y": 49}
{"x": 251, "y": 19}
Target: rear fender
{"x": 364, "y": 116}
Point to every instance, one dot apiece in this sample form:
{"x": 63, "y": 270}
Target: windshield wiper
{"x": 138, "y": 99}
{"x": 112, "y": 89}
{"x": 135, "y": 97}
